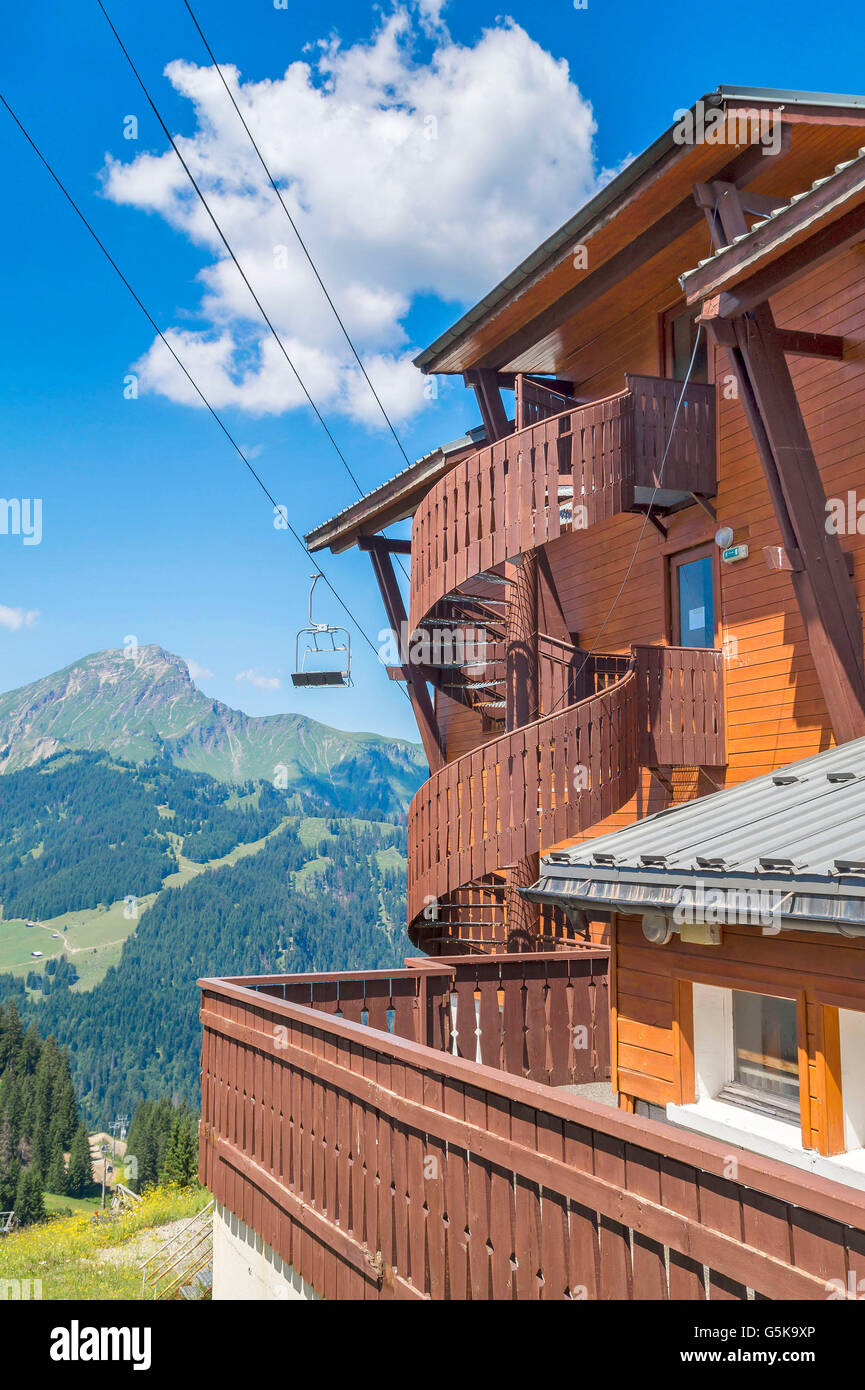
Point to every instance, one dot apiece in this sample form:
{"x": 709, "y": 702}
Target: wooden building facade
{"x": 624, "y": 596}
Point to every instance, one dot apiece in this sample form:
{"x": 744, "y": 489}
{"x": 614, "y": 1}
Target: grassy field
{"x": 57, "y": 1202}
{"x": 92, "y": 939}
{"x": 75, "y": 1257}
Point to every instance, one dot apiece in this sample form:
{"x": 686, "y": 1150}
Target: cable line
{"x": 224, "y": 239}
{"x": 279, "y": 508}
{"x": 296, "y": 230}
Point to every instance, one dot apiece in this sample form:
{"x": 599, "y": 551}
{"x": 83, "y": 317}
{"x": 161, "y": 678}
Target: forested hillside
{"x": 39, "y": 1121}
{"x": 323, "y": 892}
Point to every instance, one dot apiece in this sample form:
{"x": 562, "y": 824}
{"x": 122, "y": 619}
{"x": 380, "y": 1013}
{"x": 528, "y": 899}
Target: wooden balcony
{"x": 379, "y": 1167}
{"x": 525, "y": 490}
{"x": 515, "y": 1013}
{"x": 681, "y": 702}
{"x": 523, "y": 792}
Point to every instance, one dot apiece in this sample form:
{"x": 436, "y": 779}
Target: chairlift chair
{"x": 320, "y": 639}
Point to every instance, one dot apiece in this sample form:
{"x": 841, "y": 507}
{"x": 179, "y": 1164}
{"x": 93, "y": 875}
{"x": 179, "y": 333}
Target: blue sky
{"x": 403, "y": 148}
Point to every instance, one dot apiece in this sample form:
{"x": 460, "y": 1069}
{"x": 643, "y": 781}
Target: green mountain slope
{"x": 316, "y": 892}
{"x": 147, "y": 707}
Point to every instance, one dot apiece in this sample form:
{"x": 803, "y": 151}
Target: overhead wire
{"x": 229, "y": 248}
{"x": 279, "y": 508}
{"x": 297, "y": 233}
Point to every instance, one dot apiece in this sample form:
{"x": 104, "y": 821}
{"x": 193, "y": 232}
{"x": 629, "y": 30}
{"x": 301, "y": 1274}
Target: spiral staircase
{"x": 570, "y": 730}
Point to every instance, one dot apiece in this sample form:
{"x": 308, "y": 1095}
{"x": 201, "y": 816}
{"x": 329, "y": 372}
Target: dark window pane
{"x": 684, "y": 333}
{"x": 766, "y": 1053}
{"x": 696, "y": 603}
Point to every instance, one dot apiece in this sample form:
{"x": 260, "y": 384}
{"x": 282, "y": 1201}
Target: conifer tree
{"x": 181, "y": 1156}
{"x": 56, "y": 1178}
{"x": 79, "y": 1179}
{"x": 29, "y": 1199}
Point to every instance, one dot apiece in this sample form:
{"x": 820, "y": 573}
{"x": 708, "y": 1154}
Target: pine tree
{"x": 29, "y": 1199}
{"x": 79, "y": 1178}
{"x": 56, "y": 1179}
{"x": 10, "y": 1165}
{"x": 181, "y": 1156}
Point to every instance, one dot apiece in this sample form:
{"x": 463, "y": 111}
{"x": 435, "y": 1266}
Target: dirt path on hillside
{"x": 142, "y": 1245}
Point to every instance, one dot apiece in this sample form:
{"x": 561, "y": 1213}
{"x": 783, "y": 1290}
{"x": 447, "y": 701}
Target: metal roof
{"x": 609, "y": 194}
{"x": 391, "y": 489}
{"x": 772, "y": 218}
{"x": 799, "y": 831}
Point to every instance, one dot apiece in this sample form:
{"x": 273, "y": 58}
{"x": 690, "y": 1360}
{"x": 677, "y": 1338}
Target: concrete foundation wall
{"x": 246, "y": 1269}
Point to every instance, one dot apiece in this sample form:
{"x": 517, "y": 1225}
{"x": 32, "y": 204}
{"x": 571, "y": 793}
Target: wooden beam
{"x": 800, "y": 344}
{"x": 655, "y": 239}
{"x": 823, "y": 588}
{"x": 766, "y": 279}
{"x": 385, "y": 544}
{"x": 417, "y": 688}
{"x": 485, "y": 385}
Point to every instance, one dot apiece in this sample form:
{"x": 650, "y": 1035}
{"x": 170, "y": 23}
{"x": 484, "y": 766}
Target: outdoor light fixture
{"x": 656, "y": 928}
{"x": 724, "y": 537}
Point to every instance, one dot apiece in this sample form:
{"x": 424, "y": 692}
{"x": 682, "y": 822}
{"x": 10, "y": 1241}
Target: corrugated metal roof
{"x": 773, "y": 216}
{"x": 801, "y": 828}
{"x": 406, "y": 476}
{"x": 799, "y": 812}
{"x": 607, "y": 196}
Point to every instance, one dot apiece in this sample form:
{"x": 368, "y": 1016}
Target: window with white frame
{"x": 746, "y": 1051}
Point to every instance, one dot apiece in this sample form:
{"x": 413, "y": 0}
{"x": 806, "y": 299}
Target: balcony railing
{"x": 378, "y": 1167}
{"x": 523, "y": 491}
{"x": 681, "y": 703}
{"x": 544, "y": 1016}
{"x": 521, "y": 793}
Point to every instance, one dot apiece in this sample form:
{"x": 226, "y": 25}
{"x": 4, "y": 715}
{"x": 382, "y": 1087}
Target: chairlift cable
{"x": 224, "y": 239}
{"x": 279, "y": 508}
{"x": 296, "y": 230}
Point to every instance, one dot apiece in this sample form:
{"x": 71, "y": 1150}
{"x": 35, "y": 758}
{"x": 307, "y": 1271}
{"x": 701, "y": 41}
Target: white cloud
{"x": 198, "y": 673}
{"x": 16, "y": 618}
{"x": 407, "y": 175}
{"x": 261, "y": 682}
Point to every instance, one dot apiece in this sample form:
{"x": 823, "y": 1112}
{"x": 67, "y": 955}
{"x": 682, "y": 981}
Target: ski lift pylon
{"x": 321, "y": 640}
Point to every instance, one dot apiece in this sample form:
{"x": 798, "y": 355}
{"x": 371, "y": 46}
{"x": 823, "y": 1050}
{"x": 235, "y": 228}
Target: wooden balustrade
{"x": 380, "y": 1168}
{"x": 516, "y": 494}
{"x": 681, "y": 702}
{"x": 544, "y": 1015}
{"x": 522, "y": 792}
{"x": 568, "y": 674}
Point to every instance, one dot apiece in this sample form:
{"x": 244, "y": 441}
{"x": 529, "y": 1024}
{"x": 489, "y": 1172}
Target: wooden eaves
{"x": 393, "y": 501}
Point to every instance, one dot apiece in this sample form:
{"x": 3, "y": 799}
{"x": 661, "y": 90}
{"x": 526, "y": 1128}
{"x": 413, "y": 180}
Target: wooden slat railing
{"x": 568, "y": 674}
{"x": 544, "y": 1016}
{"x": 522, "y": 792}
{"x": 681, "y": 702}
{"x": 379, "y": 1168}
{"x": 514, "y": 495}
{"x": 534, "y": 402}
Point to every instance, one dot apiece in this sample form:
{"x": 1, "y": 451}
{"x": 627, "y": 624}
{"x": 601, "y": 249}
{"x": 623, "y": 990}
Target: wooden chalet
{"x": 635, "y": 593}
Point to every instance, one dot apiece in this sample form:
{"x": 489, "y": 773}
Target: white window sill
{"x": 747, "y": 1129}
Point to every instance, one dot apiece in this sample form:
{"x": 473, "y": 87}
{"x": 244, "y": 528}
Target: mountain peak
{"x": 139, "y": 703}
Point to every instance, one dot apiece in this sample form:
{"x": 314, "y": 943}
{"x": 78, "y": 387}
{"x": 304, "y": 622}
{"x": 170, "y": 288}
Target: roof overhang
{"x": 769, "y": 902}
{"x": 785, "y": 849}
{"x": 668, "y": 167}
{"x": 781, "y": 247}
{"x": 394, "y": 500}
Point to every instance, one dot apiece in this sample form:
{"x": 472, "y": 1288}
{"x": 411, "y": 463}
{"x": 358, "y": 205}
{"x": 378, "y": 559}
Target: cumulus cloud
{"x": 198, "y": 673}
{"x": 413, "y": 166}
{"x": 16, "y": 618}
{"x": 260, "y": 682}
